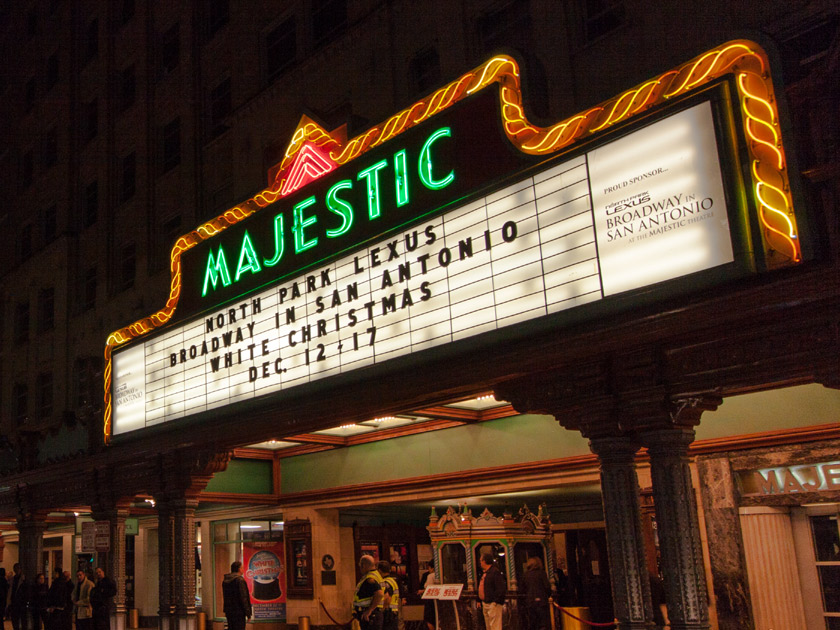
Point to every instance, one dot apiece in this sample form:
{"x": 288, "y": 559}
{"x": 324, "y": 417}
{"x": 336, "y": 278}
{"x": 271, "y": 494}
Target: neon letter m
{"x": 216, "y": 270}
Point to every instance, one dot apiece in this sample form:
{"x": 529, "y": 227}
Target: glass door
{"x": 826, "y": 536}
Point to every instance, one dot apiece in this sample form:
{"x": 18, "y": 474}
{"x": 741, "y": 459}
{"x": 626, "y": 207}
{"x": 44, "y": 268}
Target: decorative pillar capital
{"x": 617, "y": 396}
{"x": 615, "y": 450}
{"x": 184, "y": 474}
{"x": 664, "y": 442}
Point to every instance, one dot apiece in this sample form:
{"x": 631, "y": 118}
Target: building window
{"x": 87, "y": 381}
{"x": 29, "y": 95}
{"x": 25, "y": 242}
{"x": 46, "y": 310}
{"x": 90, "y": 124}
{"x": 92, "y": 40}
{"x": 31, "y": 22}
{"x": 281, "y": 47}
{"x": 21, "y": 404}
{"x": 51, "y": 148}
{"x": 49, "y": 224}
{"x": 169, "y": 231}
{"x": 171, "y": 145}
{"x": 216, "y": 15}
{"x": 52, "y": 70}
{"x": 601, "y": 17}
{"x": 128, "y": 88}
{"x": 91, "y": 204}
{"x": 170, "y": 49}
{"x": 128, "y": 178}
{"x": 424, "y": 69}
{"x": 45, "y": 395}
{"x": 126, "y": 12}
{"x": 89, "y": 281}
{"x": 22, "y": 322}
{"x": 507, "y": 27}
{"x": 27, "y": 170}
{"x": 329, "y": 20}
{"x": 220, "y": 108}
{"x": 127, "y": 267}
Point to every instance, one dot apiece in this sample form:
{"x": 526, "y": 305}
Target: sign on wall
{"x": 446, "y": 232}
{"x": 817, "y": 477}
{"x": 534, "y": 248}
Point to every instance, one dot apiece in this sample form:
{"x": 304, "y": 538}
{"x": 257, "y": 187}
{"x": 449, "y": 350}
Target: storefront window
{"x": 827, "y": 551}
{"x": 258, "y": 545}
{"x": 453, "y": 564}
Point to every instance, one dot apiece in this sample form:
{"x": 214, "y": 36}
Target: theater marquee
{"x": 434, "y": 227}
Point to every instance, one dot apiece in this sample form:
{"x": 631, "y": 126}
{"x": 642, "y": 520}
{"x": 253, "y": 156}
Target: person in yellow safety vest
{"x": 391, "y": 600}
{"x": 368, "y": 595}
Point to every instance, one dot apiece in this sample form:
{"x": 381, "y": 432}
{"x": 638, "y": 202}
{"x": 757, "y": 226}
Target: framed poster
{"x": 299, "y": 551}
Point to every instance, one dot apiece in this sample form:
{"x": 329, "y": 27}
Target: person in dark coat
{"x": 237, "y": 600}
{"x": 101, "y": 598}
{"x": 67, "y": 616}
{"x": 537, "y": 591}
{"x": 39, "y": 602}
{"x": 492, "y": 590}
{"x": 429, "y": 614}
{"x": 4, "y": 593}
{"x": 18, "y": 598}
{"x": 56, "y": 600}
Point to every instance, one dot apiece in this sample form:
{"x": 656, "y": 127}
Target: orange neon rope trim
{"x": 759, "y": 115}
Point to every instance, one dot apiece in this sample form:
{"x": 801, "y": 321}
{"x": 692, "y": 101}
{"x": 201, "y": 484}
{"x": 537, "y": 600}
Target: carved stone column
{"x": 165, "y": 561}
{"x": 678, "y": 527}
{"x": 183, "y": 575}
{"x": 183, "y": 476}
{"x": 625, "y": 539}
{"x": 113, "y": 563}
{"x": 31, "y": 527}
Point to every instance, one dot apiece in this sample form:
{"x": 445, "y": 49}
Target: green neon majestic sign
{"x": 335, "y": 210}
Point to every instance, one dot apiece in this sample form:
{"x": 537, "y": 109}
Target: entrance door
{"x": 589, "y": 572}
{"x": 826, "y": 537}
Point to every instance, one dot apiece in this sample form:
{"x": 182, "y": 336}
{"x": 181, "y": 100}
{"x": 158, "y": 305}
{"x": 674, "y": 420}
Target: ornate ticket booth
{"x": 458, "y": 541}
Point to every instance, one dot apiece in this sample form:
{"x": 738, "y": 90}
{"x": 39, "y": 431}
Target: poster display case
{"x": 299, "y": 551}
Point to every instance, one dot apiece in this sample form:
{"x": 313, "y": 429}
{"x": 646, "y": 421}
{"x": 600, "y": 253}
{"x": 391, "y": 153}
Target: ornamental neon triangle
{"x": 310, "y": 164}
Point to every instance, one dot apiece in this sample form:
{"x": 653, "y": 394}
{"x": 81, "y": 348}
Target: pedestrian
{"x": 237, "y": 600}
{"x": 81, "y": 601}
{"x": 18, "y": 598}
{"x": 491, "y": 592}
{"x": 4, "y": 593}
{"x": 537, "y": 591}
{"x": 56, "y": 601}
{"x": 390, "y": 604}
{"x": 67, "y": 613}
{"x": 39, "y": 602}
{"x": 101, "y": 598}
{"x": 428, "y": 579}
{"x": 368, "y": 595}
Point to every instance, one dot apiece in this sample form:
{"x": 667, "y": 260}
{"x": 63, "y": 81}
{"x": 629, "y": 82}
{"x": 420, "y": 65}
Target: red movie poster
{"x": 265, "y": 572}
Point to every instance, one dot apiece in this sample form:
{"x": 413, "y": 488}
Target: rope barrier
{"x": 588, "y": 623}
{"x": 342, "y": 625}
